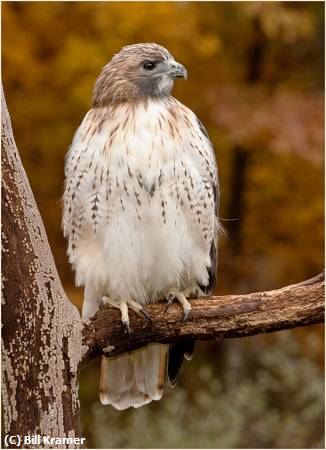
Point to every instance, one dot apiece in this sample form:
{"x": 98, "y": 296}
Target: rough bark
{"x": 229, "y": 316}
{"x": 41, "y": 334}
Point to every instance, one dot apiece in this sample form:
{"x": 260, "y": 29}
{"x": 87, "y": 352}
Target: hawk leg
{"x": 181, "y": 297}
{"x": 123, "y": 306}
{"x": 185, "y": 347}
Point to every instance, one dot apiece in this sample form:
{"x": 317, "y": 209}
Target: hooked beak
{"x": 178, "y": 70}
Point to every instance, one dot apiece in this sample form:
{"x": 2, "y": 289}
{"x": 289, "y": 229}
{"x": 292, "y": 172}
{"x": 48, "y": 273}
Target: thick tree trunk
{"x": 41, "y": 334}
{"x": 44, "y": 341}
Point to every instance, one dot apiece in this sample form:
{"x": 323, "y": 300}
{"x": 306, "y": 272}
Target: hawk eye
{"x": 149, "y": 65}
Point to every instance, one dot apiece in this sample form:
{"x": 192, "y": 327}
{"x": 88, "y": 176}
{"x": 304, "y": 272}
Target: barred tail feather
{"x": 134, "y": 379}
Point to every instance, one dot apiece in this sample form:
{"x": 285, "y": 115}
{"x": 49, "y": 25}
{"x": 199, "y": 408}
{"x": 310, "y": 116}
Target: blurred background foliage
{"x": 256, "y": 81}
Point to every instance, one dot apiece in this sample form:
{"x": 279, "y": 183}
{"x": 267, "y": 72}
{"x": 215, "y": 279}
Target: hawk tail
{"x": 134, "y": 379}
{"x": 179, "y": 351}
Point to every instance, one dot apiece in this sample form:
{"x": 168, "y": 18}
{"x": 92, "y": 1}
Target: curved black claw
{"x": 127, "y": 327}
{"x": 186, "y": 314}
{"x": 146, "y": 315}
{"x": 170, "y": 299}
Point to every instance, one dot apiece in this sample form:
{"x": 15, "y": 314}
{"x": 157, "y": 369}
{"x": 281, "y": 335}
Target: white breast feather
{"x": 139, "y": 202}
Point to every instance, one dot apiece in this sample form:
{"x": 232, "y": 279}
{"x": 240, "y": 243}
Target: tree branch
{"x": 229, "y": 316}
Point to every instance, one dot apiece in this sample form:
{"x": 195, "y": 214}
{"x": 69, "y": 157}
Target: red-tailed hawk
{"x": 140, "y": 210}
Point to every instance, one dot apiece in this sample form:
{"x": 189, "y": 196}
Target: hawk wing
{"x": 88, "y": 187}
{"x": 212, "y": 270}
{"x": 185, "y": 348}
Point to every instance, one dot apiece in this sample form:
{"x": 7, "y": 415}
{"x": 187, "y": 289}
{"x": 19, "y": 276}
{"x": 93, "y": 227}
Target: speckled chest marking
{"x": 144, "y": 164}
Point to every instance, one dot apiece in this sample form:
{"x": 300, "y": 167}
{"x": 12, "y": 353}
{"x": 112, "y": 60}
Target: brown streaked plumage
{"x": 140, "y": 210}
{"x": 121, "y": 81}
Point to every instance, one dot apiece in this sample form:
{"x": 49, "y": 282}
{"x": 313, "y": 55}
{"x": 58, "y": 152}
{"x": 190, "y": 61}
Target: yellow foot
{"x": 123, "y": 306}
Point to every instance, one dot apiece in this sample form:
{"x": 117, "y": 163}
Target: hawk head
{"x": 138, "y": 71}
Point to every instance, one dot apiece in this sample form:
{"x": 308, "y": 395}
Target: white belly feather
{"x": 139, "y": 201}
